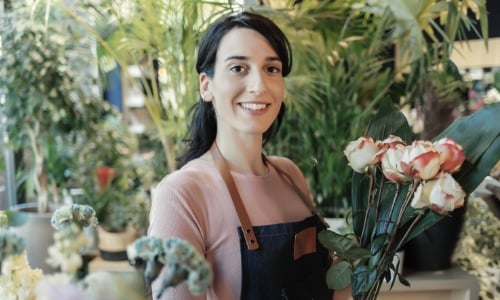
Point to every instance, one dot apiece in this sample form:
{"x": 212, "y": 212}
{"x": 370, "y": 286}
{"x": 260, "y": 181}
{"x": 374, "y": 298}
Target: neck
{"x": 243, "y": 157}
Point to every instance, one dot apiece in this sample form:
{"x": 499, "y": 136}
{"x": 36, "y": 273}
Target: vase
{"x": 38, "y": 234}
{"x": 433, "y": 249}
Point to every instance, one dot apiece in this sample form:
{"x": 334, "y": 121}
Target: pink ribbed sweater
{"x": 194, "y": 204}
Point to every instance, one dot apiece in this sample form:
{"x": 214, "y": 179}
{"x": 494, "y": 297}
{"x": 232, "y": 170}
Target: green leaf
{"x": 339, "y": 275}
{"x": 375, "y": 260}
{"x": 355, "y": 253}
{"x": 360, "y": 280}
{"x": 403, "y": 280}
{"x": 359, "y": 201}
{"x": 378, "y": 243}
{"x": 478, "y": 134}
{"x": 334, "y": 241}
{"x": 364, "y": 278}
{"x": 389, "y": 120}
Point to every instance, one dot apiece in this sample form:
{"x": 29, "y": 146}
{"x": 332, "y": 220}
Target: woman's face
{"x": 247, "y": 88}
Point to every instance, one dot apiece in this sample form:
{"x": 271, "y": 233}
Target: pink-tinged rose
{"x": 442, "y": 195}
{"x": 451, "y": 155}
{"x": 421, "y": 160}
{"x": 361, "y": 154}
{"x": 391, "y": 141}
{"x": 391, "y": 164}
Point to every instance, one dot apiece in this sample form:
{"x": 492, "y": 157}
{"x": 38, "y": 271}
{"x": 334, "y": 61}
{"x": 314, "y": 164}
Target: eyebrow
{"x": 240, "y": 57}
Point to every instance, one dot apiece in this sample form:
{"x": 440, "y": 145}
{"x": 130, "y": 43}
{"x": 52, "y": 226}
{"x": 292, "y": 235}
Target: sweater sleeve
{"x": 173, "y": 214}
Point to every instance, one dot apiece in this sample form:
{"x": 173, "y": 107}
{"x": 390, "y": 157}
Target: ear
{"x": 205, "y": 84}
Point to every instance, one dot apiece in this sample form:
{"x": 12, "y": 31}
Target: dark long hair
{"x": 203, "y": 128}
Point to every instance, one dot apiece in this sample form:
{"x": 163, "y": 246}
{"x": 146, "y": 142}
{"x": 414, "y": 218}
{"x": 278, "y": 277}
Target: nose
{"x": 256, "y": 82}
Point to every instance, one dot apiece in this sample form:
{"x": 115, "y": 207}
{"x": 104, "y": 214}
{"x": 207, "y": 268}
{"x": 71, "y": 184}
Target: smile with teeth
{"x": 253, "y": 106}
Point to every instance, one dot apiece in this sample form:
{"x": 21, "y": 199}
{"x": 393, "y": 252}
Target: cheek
{"x": 226, "y": 89}
{"x": 278, "y": 89}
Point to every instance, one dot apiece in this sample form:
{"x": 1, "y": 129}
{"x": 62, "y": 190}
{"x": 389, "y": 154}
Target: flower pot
{"x": 433, "y": 249}
{"x": 113, "y": 245}
{"x": 38, "y": 234}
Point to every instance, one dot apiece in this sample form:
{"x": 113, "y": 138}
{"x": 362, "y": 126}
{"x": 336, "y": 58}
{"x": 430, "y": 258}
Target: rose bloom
{"x": 450, "y": 154}
{"x": 391, "y": 141}
{"x": 442, "y": 195}
{"x": 362, "y": 154}
{"x": 421, "y": 160}
{"x": 391, "y": 164}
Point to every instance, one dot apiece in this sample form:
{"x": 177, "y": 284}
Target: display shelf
{"x": 450, "y": 284}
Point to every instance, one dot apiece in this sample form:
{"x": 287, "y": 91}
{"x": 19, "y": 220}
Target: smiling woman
{"x": 244, "y": 212}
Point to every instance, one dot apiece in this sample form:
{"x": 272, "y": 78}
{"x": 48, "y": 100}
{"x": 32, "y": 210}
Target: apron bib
{"x": 277, "y": 270}
{"x": 279, "y": 261}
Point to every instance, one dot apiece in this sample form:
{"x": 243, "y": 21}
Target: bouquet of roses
{"x": 401, "y": 187}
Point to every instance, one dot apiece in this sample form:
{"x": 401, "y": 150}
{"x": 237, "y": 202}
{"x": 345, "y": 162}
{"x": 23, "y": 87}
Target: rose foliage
{"x": 401, "y": 187}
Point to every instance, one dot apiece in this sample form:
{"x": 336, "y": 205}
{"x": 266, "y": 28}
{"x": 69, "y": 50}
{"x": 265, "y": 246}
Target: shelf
{"x": 451, "y": 284}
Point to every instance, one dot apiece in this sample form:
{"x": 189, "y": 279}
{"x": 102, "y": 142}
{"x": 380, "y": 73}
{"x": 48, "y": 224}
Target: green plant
{"x": 349, "y": 56}
{"x": 50, "y": 89}
{"x": 150, "y": 32}
{"x": 114, "y": 181}
{"x": 337, "y": 80}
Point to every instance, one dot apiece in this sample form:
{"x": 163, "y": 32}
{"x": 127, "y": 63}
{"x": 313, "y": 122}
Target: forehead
{"x": 244, "y": 42}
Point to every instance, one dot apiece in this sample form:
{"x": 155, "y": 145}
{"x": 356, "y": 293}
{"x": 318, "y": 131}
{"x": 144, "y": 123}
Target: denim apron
{"x": 279, "y": 261}
{"x": 272, "y": 271}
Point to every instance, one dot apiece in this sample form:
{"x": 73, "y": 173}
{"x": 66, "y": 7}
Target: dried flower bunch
{"x": 69, "y": 238}
{"x": 17, "y": 279}
{"x": 10, "y": 243}
{"x": 181, "y": 260}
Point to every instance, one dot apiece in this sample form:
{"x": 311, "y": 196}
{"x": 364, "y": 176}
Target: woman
{"x": 251, "y": 216}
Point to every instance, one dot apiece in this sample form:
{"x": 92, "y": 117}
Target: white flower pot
{"x": 38, "y": 234}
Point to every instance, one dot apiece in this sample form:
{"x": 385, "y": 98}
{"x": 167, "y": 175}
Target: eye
{"x": 273, "y": 69}
{"x": 237, "y": 68}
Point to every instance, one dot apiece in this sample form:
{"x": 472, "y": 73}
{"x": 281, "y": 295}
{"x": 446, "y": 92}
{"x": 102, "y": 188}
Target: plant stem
{"x": 379, "y": 198}
{"x": 413, "y": 223}
{"x": 396, "y": 195}
{"x": 372, "y": 179}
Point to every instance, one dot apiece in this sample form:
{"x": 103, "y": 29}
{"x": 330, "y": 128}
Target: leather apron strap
{"x": 302, "y": 195}
{"x": 246, "y": 225}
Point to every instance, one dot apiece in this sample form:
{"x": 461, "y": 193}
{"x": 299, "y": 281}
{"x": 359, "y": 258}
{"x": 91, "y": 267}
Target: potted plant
{"x": 113, "y": 180}
{"x": 149, "y": 34}
{"x": 51, "y": 95}
{"x": 51, "y": 92}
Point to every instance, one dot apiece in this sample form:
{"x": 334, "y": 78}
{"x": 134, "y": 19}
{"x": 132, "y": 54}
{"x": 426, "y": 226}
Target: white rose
{"x": 442, "y": 195}
{"x": 391, "y": 164}
{"x": 361, "y": 154}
